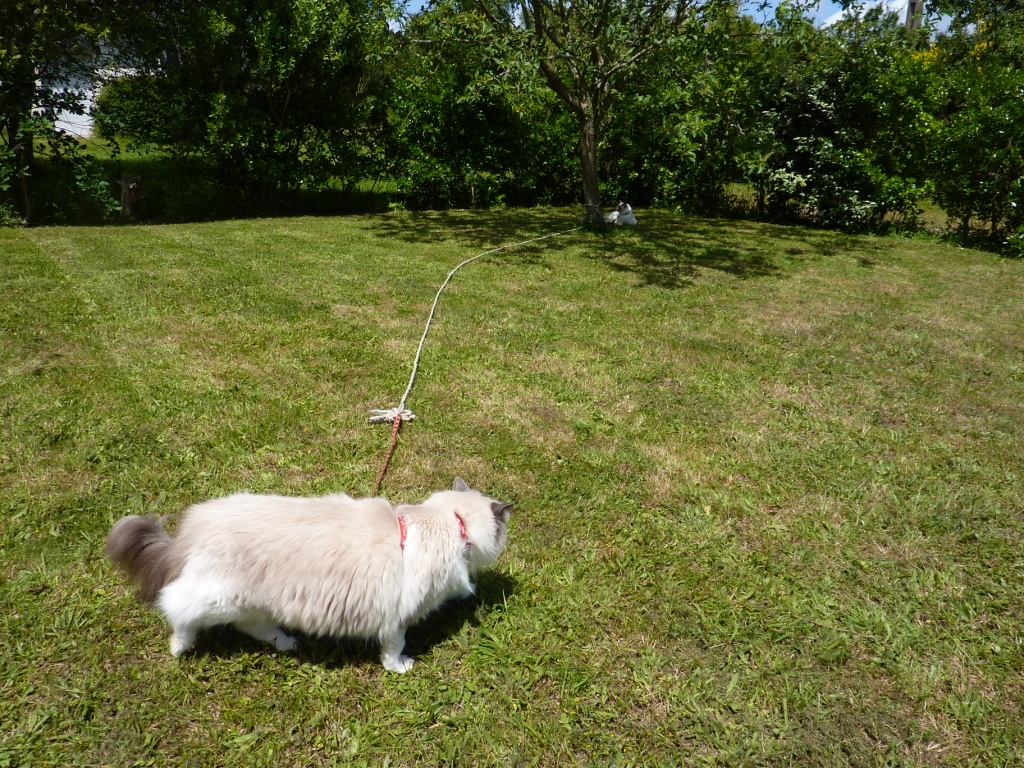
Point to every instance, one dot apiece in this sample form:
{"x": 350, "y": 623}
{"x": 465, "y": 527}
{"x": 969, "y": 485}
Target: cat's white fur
{"x": 331, "y": 565}
{"x": 622, "y": 215}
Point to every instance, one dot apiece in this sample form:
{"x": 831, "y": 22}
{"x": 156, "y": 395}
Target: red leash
{"x": 397, "y": 425}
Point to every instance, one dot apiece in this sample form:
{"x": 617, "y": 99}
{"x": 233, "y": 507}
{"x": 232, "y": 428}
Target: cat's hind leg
{"x": 182, "y": 638}
{"x": 268, "y": 632}
{"x": 391, "y": 646}
{"x": 183, "y": 614}
{"x": 187, "y": 609}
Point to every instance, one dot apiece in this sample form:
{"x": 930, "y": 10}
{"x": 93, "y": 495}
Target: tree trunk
{"x": 24, "y": 158}
{"x": 20, "y": 99}
{"x": 588, "y": 167}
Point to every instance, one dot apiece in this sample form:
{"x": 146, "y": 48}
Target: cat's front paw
{"x": 399, "y": 664}
{"x": 285, "y": 642}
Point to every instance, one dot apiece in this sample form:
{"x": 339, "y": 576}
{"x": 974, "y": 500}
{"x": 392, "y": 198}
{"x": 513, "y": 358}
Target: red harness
{"x": 402, "y": 531}
{"x": 462, "y": 529}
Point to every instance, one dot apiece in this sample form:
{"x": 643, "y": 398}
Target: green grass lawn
{"x": 769, "y": 488}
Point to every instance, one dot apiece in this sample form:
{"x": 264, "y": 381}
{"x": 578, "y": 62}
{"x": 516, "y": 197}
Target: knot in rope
{"x": 397, "y": 415}
{"x": 382, "y": 416}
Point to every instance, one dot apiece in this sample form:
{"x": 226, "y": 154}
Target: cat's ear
{"x": 501, "y": 510}
{"x": 460, "y": 484}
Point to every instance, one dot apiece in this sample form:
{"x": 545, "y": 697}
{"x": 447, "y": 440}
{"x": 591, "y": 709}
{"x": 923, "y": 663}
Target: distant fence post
{"x": 131, "y": 196}
{"x": 915, "y": 12}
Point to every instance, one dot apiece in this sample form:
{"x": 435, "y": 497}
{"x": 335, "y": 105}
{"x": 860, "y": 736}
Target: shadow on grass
{"x": 667, "y": 250}
{"x": 493, "y": 590}
{"x": 486, "y": 230}
{"x": 183, "y": 191}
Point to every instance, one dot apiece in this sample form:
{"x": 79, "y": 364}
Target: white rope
{"x": 388, "y": 415}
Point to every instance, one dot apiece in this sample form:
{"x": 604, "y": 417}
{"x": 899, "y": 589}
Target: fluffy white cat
{"x": 331, "y": 565}
{"x": 622, "y": 215}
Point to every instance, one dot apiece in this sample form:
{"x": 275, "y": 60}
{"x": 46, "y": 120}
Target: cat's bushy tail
{"x": 142, "y": 547}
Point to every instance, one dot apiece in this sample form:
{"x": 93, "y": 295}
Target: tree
{"x": 452, "y": 141}
{"x": 999, "y": 24}
{"x": 274, "y": 94}
{"x": 978, "y": 162}
{"x": 588, "y": 53}
{"x": 683, "y": 130}
{"x": 846, "y": 117}
{"x": 46, "y": 47}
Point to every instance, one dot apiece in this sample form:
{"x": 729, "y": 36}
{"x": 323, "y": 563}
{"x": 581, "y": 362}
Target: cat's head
{"x": 486, "y": 521}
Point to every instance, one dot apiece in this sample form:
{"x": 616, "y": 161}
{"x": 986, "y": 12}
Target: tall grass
{"x": 768, "y": 487}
